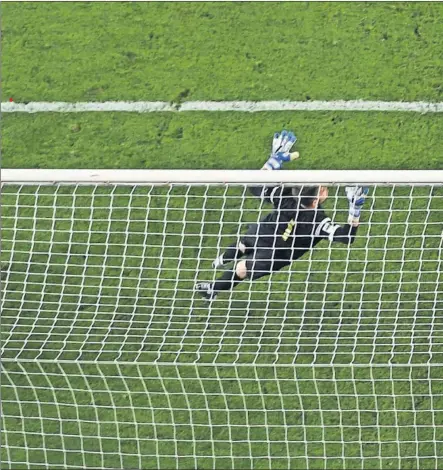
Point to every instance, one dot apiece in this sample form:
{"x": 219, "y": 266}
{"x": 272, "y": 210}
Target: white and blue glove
{"x": 356, "y": 197}
{"x": 281, "y": 145}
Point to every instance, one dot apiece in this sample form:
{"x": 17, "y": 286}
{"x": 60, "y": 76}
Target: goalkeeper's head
{"x": 310, "y": 196}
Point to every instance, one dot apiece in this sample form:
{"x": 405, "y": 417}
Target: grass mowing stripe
{"x": 326, "y": 140}
{"x": 164, "y": 51}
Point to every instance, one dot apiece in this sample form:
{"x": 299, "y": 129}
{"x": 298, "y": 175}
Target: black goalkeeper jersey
{"x": 293, "y": 227}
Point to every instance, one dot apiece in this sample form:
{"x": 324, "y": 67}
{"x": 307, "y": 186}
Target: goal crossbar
{"x": 144, "y": 176}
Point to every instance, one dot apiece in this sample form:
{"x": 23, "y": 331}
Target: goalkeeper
{"x": 295, "y": 226}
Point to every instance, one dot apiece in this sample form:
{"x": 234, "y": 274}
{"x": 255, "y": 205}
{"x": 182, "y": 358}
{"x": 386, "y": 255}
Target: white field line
{"x": 243, "y": 106}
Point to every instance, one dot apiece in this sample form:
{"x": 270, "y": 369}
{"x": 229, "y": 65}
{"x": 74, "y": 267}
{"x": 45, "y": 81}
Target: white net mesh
{"x": 121, "y": 415}
{"x": 111, "y": 360}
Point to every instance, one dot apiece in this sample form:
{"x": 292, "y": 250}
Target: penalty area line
{"x": 241, "y": 106}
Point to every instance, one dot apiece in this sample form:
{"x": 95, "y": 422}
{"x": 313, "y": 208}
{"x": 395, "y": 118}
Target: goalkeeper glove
{"x": 281, "y": 145}
{"x": 356, "y": 197}
{"x": 283, "y": 142}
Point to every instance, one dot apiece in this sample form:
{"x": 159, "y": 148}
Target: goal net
{"x": 111, "y": 360}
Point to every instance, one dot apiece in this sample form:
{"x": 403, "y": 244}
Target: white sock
{"x": 218, "y": 261}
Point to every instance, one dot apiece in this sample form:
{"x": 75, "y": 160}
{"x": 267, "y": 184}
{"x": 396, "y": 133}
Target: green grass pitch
{"x": 91, "y": 290}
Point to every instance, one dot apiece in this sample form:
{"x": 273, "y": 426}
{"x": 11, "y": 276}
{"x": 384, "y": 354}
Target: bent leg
{"x": 259, "y": 263}
{"x": 231, "y": 277}
{"x": 236, "y": 251}
{"x": 233, "y": 252}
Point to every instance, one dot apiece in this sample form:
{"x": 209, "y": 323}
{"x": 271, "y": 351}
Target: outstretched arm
{"x": 356, "y": 197}
{"x": 345, "y": 234}
{"x": 281, "y": 145}
{"x": 270, "y": 194}
{"x": 336, "y": 233}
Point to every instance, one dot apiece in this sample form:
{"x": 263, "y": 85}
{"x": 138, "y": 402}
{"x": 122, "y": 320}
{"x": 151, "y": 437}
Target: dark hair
{"x": 307, "y": 194}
